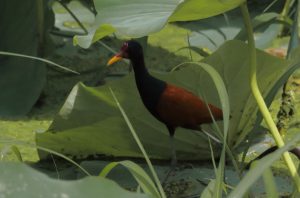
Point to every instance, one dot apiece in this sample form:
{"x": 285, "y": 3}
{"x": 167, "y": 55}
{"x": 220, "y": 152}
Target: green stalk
{"x": 259, "y": 99}
{"x": 285, "y": 9}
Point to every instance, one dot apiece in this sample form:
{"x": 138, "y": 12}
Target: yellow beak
{"x": 114, "y": 59}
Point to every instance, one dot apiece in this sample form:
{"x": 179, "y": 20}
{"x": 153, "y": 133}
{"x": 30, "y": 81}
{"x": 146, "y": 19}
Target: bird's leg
{"x": 173, "y": 157}
{"x": 171, "y": 130}
{"x": 173, "y": 152}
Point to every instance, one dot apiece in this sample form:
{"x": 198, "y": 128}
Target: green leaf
{"x": 266, "y": 27}
{"x": 199, "y": 9}
{"x": 231, "y": 60}
{"x": 5, "y": 150}
{"x": 91, "y": 115}
{"x": 138, "y": 173}
{"x": 93, "y": 36}
{"x": 251, "y": 177}
{"x": 18, "y": 180}
{"x": 202, "y": 52}
{"x": 209, "y": 190}
{"x": 267, "y": 37}
{"x": 17, "y": 153}
{"x": 13, "y": 142}
{"x": 294, "y": 40}
{"x": 21, "y": 80}
{"x": 261, "y": 21}
{"x": 210, "y": 33}
{"x": 270, "y": 184}
{"x": 136, "y": 18}
{"x": 218, "y": 187}
{"x": 106, "y": 170}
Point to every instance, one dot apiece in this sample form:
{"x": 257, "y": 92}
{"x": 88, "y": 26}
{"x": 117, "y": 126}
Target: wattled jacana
{"x": 172, "y": 105}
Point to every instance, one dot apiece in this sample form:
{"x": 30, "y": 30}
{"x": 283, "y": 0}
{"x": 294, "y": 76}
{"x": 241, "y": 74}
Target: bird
{"x": 172, "y": 105}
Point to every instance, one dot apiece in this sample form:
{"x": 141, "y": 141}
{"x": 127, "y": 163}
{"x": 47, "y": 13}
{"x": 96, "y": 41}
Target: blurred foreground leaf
{"x": 18, "y": 180}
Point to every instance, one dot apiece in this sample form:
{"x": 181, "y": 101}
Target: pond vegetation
{"x": 83, "y": 121}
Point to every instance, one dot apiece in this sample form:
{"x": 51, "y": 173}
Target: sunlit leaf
{"x": 199, "y": 9}
{"x": 136, "y": 18}
{"x": 17, "y": 153}
{"x": 93, "y": 36}
{"x": 209, "y": 190}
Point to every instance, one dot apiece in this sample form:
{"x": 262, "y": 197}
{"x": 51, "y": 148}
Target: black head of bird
{"x": 130, "y": 50}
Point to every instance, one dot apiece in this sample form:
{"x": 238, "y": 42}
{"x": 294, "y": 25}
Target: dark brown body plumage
{"x": 178, "y": 107}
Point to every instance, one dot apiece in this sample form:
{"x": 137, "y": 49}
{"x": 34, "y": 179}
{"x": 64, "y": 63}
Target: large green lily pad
{"x": 136, "y": 18}
{"x": 90, "y": 122}
{"x": 199, "y": 9}
{"x": 18, "y": 180}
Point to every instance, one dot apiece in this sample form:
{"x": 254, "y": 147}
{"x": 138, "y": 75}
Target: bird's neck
{"x": 142, "y": 79}
{"x": 149, "y": 87}
{"x": 140, "y": 71}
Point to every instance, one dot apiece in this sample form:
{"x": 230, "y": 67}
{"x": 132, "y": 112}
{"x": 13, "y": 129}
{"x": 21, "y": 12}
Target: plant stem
{"x": 285, "y": 9}
{"x": 259, "y": 99}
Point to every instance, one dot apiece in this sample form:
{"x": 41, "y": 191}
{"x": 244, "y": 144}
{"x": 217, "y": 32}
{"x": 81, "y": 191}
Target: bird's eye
{"x": 124, "y": 47}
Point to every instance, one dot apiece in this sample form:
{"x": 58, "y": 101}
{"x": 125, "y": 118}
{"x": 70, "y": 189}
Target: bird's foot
{"x": 171, "y": 172}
